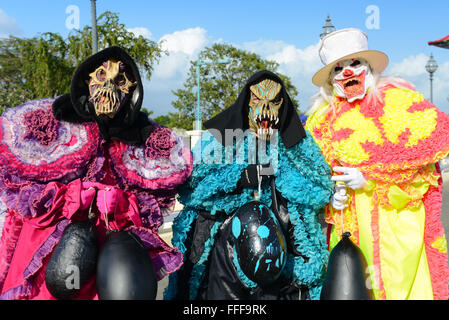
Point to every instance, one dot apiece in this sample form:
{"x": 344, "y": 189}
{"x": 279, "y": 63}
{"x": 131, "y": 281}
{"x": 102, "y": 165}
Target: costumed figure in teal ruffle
{"x": 250, "y": 225}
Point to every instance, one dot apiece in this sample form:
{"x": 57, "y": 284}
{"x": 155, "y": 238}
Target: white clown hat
{"x": 346, "y": 44}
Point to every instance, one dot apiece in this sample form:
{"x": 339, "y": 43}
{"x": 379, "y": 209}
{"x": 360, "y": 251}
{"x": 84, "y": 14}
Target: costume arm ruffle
{"x": 163, "y": 163}
{"x": 213, "y": 184}
{"x": 28, "y": 199}
{"x": 303, "y": 176}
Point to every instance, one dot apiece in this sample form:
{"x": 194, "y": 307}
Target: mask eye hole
{"x": 254, "y": 98}
{"x": 355, "y": 63}
{"x": 120, "y": 80}
{"x": 101, "y": 75}
{"x": 338, "y": 69}
{"x": 278, "y": 99}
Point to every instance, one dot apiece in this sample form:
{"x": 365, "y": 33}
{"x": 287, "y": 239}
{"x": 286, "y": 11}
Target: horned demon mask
{"x": 265, "y": 103}
{"x": 109, "y": 87}
{"x": 351, "y": 79}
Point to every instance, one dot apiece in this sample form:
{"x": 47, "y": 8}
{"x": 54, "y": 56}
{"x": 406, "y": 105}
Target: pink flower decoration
{"x": 160, "y": 143}
{"x": 41, "y": 126}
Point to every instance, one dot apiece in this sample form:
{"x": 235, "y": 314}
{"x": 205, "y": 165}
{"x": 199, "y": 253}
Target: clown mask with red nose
{"x": 351, "y": 79}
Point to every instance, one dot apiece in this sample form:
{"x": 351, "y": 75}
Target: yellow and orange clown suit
{"x": 396, "y": 143}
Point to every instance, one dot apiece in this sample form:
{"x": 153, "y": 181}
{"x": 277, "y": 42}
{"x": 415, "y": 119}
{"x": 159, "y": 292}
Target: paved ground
{"x": 444, "y": 218}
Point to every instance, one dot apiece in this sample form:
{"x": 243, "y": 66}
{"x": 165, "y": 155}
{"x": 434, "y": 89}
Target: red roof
{"x": 443, "y": 43}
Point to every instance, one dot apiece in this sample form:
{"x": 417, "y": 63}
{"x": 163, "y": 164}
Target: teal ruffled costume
{"x": 302, "y": 178}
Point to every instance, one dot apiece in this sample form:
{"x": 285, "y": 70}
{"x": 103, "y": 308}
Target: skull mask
{"x": 351, "y": 79}
{"x": 264, "y": 106}
{"x": 109, "y": 87}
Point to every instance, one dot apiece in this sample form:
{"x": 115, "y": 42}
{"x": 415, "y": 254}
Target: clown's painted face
{"x": 264, "y": 105}
{"x": 109, "y": 87}
{"x": 351, "y": 79}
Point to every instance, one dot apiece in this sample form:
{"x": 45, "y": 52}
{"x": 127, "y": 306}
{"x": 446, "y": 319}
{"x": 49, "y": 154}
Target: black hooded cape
{"x": 236, "y": 116}
{"x": 129, "y": 125}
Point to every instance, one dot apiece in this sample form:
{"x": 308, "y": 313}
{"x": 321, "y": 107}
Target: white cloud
{"x": 182, "y": 47}
{"x": 8, "y": 25}
{"x": 142, "y": 31}
{"x": 412, "y": 69}
{"x": 186, "y": 41}
{"x": 264, "y": 47}
{"x": 172, "y": 70}
{"x": 298, "y": 64}
{"x": 292, "y": 60}
{"x": 409, "y": 67}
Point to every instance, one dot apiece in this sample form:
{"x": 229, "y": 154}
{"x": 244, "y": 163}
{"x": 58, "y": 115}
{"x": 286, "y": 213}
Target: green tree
{"x": 174, "y": 120}
{"x": 220, "y": 83}
{"x": 43, "y": 66}
{"x": 111, "y": 32}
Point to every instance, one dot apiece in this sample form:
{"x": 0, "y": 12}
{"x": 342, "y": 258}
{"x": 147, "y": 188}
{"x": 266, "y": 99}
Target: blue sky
{"x": 286, "y": 31}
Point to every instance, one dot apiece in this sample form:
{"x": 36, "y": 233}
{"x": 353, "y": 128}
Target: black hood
{"x": 129, "y": 125}
{"x": 236, "y": 116}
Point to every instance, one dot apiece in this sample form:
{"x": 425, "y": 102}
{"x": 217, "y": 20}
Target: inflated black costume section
{"x": 223, "y": 282}
{"x": 346, "y": 276}
{"x": 260, "y": 244}
{"x": 236, "y": 116}
{"x": 129, "y": 125}
{"x": 125, "y": 270}
{"x": 75, "y": 255}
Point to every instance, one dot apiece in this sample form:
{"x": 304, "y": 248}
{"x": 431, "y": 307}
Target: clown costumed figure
{"x": 383, "y": 140}
{"x": 85, "y": 181}
{"x": 249, "y": 228}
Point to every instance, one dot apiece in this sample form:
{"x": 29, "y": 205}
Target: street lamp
{"x": 198, "y": 116}
{"x": 93, "y": 13}
{"x": 431, "y": 67}
{"x": 327, "y": 28}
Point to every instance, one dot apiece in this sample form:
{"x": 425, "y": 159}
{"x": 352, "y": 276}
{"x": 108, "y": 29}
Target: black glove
{"x": 250, "y": 177}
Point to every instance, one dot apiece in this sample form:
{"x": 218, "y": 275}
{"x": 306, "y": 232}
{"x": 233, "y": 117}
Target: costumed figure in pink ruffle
{"x": 85, "y": 182}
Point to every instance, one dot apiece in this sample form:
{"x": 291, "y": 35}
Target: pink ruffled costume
{"x": 53, "y": 173}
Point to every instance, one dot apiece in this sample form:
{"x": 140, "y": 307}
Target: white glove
{"x": 351, "y": 176}
{"x": 339, "y": 198}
